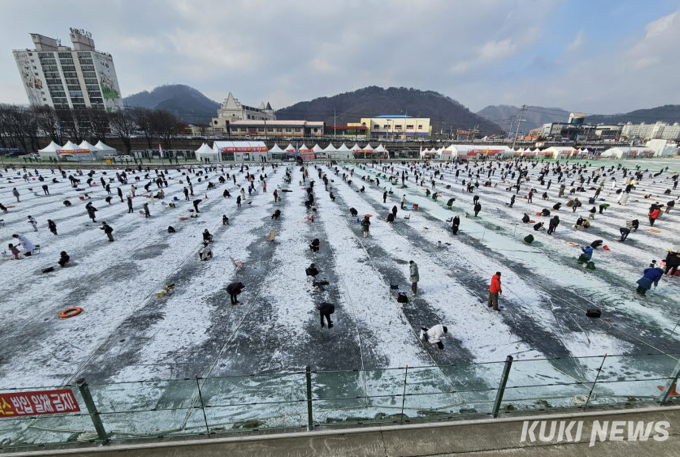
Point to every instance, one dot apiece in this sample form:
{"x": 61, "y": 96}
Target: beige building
{"x": 233, "y": 110}
{"x": 395, "y": 126}
{"x": 276, "y": 128}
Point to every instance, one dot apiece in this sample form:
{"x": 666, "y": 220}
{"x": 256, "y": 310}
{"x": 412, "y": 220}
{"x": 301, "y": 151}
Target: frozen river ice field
{"x": 126, "y": 333}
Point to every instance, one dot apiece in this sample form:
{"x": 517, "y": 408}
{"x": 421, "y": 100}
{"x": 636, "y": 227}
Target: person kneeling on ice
{"x": 526, "y": 218}
{"x": 205, "y": 253}
{"x": 314, "y": 245}
{"x": 538, "y": 227}
{"x": 651, "y": 276}
{"x": 434, "y": 335}
{"x": 587, "y": 254}
{"x": 234, "y": 289}
{"x": 64, "y": 258}
{"x": 311, "y": 272}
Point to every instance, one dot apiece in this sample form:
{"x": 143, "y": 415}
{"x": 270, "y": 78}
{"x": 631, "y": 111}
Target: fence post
{"x": 200, "y": 397}
{"x": 594, "y": 382}
{"x": 501, "y": 386}
{"x": 403, "y": 397}
{"x": 670, "y": 386}
{"x": 92, "y": 409}
{"x": 310, "y": 419}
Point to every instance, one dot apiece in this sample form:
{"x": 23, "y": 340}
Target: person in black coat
{"x": 526, "y": 218}
{"x": 196, "y": 203}
{"x": 554, "y": 222}
{"x": 311, "y": 271}
{"x": 557, "y": 206}
{"x": 672, "y": 263}
{"x": 325, "y": 310}
{"x": 52, "y": 226}
{"x": 234, "y": 289}
{"x": 63, "y": 259}
{"x": 384, "y": 201}
{"x": 90, "y": 211}
{"x": 353, "y": 212}
{"x": 394, "y": 210}
{"x": 455, "y": 223}
{"x": 207, "y": 236}
{"x": 478, "y": 208}
{"x": 596, "y": 244}
{"x": 314, "y": 245}
{"x": 108, "y": 230}
{"x": 276, "y": 214}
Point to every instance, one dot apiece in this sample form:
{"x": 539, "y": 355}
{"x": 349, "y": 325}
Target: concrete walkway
{"x": 464, "y": 438}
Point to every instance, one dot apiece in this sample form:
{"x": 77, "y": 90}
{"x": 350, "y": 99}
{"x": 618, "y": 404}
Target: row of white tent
{"x": 556, "y": 152}
{"x": 70, "y": 149}
{"x": 255, "y": 150}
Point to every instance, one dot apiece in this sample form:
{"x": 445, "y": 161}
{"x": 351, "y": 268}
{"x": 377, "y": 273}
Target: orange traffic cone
{"x": 673, "y": 392}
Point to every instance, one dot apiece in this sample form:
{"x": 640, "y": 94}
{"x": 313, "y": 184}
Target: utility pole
{"x": 335, "y": 123}
{"x": 519, "y": 121}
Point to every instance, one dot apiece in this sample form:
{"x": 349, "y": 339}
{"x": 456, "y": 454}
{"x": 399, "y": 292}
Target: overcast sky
{"x": 594, "y": 56}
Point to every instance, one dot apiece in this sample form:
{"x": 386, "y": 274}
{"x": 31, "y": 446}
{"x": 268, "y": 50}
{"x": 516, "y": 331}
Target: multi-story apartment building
{"x": 63, "y": 77}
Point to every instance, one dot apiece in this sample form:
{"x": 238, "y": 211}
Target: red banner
{"x": 19, "y": 404}
{"x": 245, "y": 149}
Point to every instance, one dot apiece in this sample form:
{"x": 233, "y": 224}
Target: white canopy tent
{"x": 343, "y": 152}
{"x": 105, "y": 148}
{"x": 662, "y": 148}
{"x": 317, "y": 148}
{"x": 72, "y": 151}
{"x": 329, "y": 148}
{"x": 50, "y": 150}
{"x": 207, "y": 154}
{"x": 252, "y": 151}
{"x": 561, "y": 152}
{"x": 276, "y": 150}
{"x": 290, "y": 148}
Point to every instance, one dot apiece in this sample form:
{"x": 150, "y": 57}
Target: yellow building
{"x": 396, "y": 126}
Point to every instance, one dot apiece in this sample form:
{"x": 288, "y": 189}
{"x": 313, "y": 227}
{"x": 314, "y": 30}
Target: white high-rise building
{"x": 659, "y": 130}
{"x": 64, "y": 77}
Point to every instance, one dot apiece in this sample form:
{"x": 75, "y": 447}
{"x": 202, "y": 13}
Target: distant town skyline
{"x": 594, "y": 57}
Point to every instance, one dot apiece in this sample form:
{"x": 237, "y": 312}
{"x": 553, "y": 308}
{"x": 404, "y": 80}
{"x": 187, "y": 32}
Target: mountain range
{"x": 445, "y": 113}
{"x": 535, "y": 116}
{"x": 193, "y": 107}
{"x": 185, "y": 102}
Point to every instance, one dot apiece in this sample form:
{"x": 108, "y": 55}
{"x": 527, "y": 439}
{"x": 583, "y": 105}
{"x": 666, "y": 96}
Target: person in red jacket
{"x": 653, "y": 216}
{"x": 495, "y": 289}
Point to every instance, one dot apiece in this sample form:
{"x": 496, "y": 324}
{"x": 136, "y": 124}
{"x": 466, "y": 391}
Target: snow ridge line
{"x": 401, "y": 313}
{"x": 550, "y": 294}
{"x": 95, "y": 351}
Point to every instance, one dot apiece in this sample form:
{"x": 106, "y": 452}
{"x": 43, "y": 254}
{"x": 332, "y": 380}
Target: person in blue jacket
{"x": 587, "y": 254}
{"x": 651, "y": 277}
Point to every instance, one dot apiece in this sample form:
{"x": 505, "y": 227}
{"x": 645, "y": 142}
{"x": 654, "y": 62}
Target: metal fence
{"x": 311, "y": 399}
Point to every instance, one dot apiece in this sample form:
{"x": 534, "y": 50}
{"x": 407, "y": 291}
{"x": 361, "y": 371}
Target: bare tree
{"x": 98, "y": 120}
{"x": 166, "y": 125}
{"x": 47, "y": 120}
{"x": 122, "y": 126}
{"x": 142, "y": 117}
{"x": 68, "y": 126}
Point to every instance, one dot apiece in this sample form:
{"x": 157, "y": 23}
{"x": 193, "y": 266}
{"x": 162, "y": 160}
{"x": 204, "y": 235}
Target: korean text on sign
{"x": 18, "y": 404}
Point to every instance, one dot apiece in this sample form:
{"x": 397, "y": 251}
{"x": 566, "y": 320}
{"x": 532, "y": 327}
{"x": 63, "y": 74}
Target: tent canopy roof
{"x": 103, "y": 147}
{"x": 52, "y": 147}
